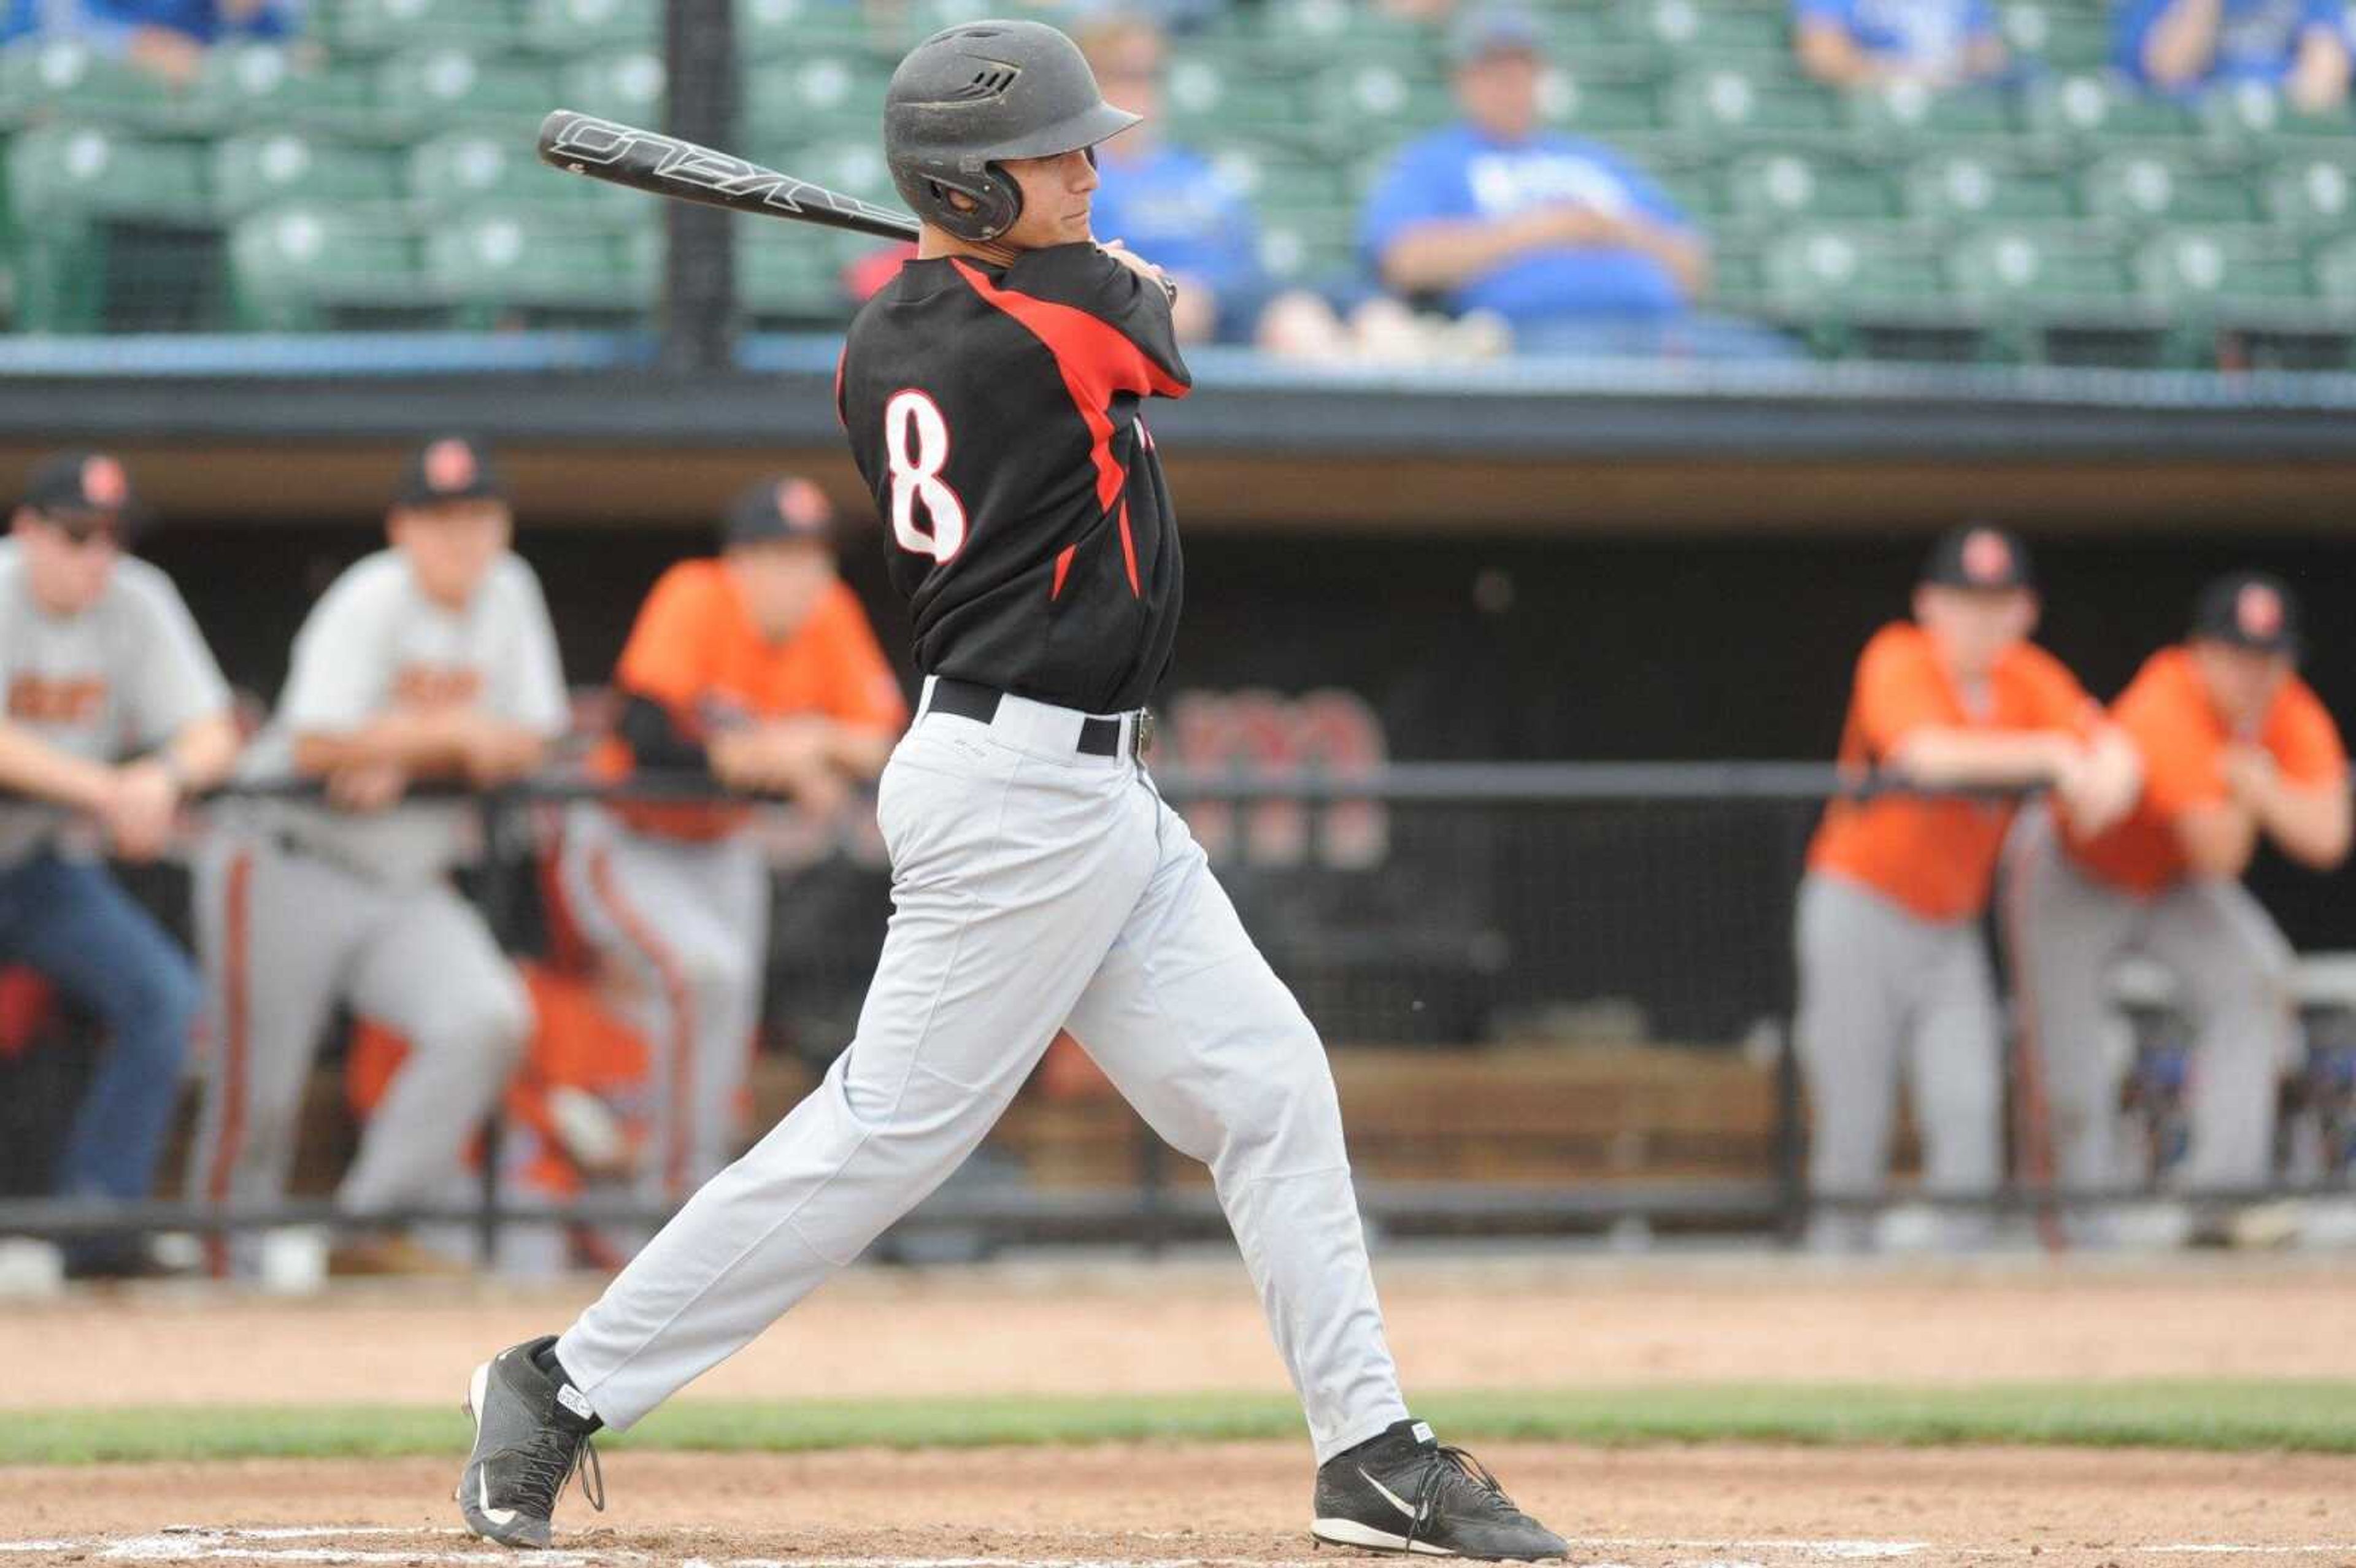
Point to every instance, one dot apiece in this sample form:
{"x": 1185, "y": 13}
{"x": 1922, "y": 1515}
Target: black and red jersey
{"x": 994, "y": 412}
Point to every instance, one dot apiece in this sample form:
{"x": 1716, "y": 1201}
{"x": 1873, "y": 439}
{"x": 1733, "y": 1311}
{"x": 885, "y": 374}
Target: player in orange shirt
{"x": 2235, "y": 748}
{"x": 759, "y": 668}
{"x": 1893, "y": 976}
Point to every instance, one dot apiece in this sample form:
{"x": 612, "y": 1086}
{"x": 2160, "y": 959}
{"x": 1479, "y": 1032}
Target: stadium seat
{"x": 246, "y": 85}
{"x": 2065, "y": 37}
{"x": 2254, "y": 113}
{"x": 1685, "y": 29}
{"x": 1591, "y": 102}
{"x": 2059, "y": 268}
{"x": 1787, "y": 184}
{"x": 853, "y": 167}
{"x": 2147, "y": 187}
{"x": 303, "y": 268}
{"x": 579, "y": 27}
{"x": 785, "y": 279}
{"x": 1202, "y": 95}
{"x": 628, "y": 84}
{"x": 1576, "y": 32}
{"x": 273, "y": 167}
{"x": 1908, "y": 110}
{"x": 812, "y": 96}
{"x": 498, "y": 266}
{"x": 2316, "y": 192}
{"x": 1308, "y": 248}
{"x": 2214, "y": 268}
{"x": 1271, "y": 178}
{"x": 1309, "y": 32}
{"x": 69, "y": 172}
{"x": 1729, "y": 103}
{"x": 47, "y": 78}
{"x": 2088, "y": 108}
{"x": 1352, "y": 94}
{"x": 437, "y": 88}
{"x": 1973, "y": 187}
{"x": 2335, "y": 271}
{"x": 772, "y": 30}
{"x": 1832, "y": 270}
{"x": 358, "y": 27}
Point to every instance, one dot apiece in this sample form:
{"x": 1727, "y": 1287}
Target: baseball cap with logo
{"x": 1981, "y": 556}
{"x": 80, "y": 491}
{"x": 2248, "y": 609}
{"x": 783, "y": 506}
{"x": 448, "y": 468}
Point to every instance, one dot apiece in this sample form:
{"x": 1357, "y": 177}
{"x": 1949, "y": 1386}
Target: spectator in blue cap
{"x": 1573, "y": 245}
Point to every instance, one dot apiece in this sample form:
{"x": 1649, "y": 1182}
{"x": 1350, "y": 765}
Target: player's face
{"x": 1057, "y": 195}
{"x": 68, "y": 564}
{"x": 1974, "y": 626}
{"x": 1500, "y": 93}
{"x": 451, "y": 548}
{"x": 2242, "y": 682}
{"x": 781, "y": 580}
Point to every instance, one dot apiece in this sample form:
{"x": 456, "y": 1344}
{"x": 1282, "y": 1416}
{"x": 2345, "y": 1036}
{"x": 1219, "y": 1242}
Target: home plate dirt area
{"x": 1211, "y": 1505}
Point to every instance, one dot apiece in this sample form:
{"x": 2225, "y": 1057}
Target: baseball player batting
{"x": 991, "y": 394}
{"x": 434, "y": 659}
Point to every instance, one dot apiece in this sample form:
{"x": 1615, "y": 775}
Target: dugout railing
{"x": 1433, "y": 903}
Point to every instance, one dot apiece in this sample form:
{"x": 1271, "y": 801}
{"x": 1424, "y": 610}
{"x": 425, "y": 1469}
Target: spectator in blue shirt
{"x": 2184, "y": 46}
{"x": 1165, "y": 202}
{"x": 1864, "y": 43}
{"x": 1572, "y": 244}
{"x": 166, "y": 38}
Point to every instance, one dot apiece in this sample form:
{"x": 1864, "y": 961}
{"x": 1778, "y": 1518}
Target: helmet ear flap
{"x": 997, "y": 202}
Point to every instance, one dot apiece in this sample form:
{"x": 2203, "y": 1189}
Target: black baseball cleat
{"x": 531, "y": 1433}
{"x": 1405, "y": 1491}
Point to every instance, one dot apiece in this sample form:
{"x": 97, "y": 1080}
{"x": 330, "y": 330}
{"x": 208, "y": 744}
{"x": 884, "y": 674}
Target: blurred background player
{"x": 757, "y": 669}
{"x": 1894, "y": 978}
{"x": 2235, "y": 748}
{"x": 1167, "y": 201}
{"x": 432, "y": 660}
{"x": 166, "y": 38}
{"x": 1568, "y": 240}
{"x": 2185, "y": 46}
{"x": 103, "y": 663}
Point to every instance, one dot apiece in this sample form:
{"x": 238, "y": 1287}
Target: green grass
{"x": 2318, "y": 1417}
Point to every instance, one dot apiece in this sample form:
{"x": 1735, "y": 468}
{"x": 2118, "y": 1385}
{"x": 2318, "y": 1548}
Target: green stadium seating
{"x": 1975, "y": 185}
{"x": 812, "y": 97}
{"x": 1909, "y": 110}
{"x": 2066, "y": 36}
{"x": 1271, "y": 178}
{"x": 628, "y": 84}
{"x": 303, "y": 268}
{"x": 2090, "y": 109}
{"x": 273, "y": 167}
{"x": 2216, "y": 268}
{"x": 2147, "y": 187}
{"x": 43, "y": 78}
{"x": 499, "y": 267}
{"x": 246, "y": 85}
{"x": 2254, "y": 113}
{"x": 1310, "y": 32}
{"x": 363, "y": 28}
{"x": 783, "y": 277}
{"x": 1308, "y": 247}
{"x": 1199, "y": 93}
{"x": 1356, "y": 93}
{"x": 1594, "y": 103}
{"x": 1576, "y": 32}
{"x": 854, "y": 167}
{"x": 1789, "y": 185}
{"x": 1832, "y": 270}
{"x": 2313, "y": 192}
{"x": 476, "y": 169}
{"x": 1685, "y": 29}
{"x": 61, "y": 174}
{"x": 770, "y": 30}
{"x": 445, "y": 86}
{"x": 1731, "y": 104}
{"x": 2039, "y": 268}
{"x": 2335, "y": 271}
{"x": 580, "y": 26}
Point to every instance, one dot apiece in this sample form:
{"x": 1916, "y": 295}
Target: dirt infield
{"x": 1037, "y": 1508}
{"x": 1062, "y": 1328}
{"x": 1124, "y": 1327}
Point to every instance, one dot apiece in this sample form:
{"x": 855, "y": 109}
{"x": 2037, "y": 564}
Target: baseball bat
{"x": 665, "y": 165}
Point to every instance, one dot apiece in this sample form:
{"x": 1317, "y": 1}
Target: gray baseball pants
{"x": 1034, "y": 886}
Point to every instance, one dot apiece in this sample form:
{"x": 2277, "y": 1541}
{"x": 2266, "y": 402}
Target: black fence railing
{"x": 1409, "y": 905}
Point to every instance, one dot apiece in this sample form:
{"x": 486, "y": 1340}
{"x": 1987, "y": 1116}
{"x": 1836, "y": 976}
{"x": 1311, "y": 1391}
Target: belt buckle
{"x": 1140, "y": 734}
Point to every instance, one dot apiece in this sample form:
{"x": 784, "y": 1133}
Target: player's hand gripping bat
{"x": 665, "y": 165}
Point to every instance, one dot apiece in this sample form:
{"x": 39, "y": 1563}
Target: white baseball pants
{"x": 1034, "y": 886}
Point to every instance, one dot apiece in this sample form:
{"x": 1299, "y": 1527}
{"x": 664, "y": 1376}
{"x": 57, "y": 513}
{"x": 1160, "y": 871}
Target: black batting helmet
{"x": 971, "y": 96}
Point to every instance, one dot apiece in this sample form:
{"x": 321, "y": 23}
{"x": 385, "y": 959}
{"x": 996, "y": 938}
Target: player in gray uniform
{"x": 432, "y": 660}
{"x": 115, "y": 710}
{"x": 992, "y": 395}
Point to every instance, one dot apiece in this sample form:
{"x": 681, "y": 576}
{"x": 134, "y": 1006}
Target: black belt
{"x": 970, "y": 699}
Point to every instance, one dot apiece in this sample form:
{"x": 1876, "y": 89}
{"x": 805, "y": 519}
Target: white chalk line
{"x": 278, "y": 1544}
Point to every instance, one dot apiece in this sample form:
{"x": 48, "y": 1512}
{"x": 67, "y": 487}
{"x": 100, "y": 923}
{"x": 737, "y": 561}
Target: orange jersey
{"x": 696, "y": 651}
{"x": 1935, "y": 857}
{"x": 2166, "y": 712}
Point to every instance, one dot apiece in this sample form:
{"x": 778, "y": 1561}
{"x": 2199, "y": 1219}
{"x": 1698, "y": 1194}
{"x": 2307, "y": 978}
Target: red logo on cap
{"x": 103, "y": 484}
{"x": 449, "y": 466}
{"x": 1987, "y": 558}
{"x": 2258, "y": 611}
{"x": 802, "y": 505}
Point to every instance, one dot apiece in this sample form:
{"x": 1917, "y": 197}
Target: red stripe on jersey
{"x": 1128, "y": 554}
{"x": 1063, "y": 564}
{"x": 1096, "y": 361}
